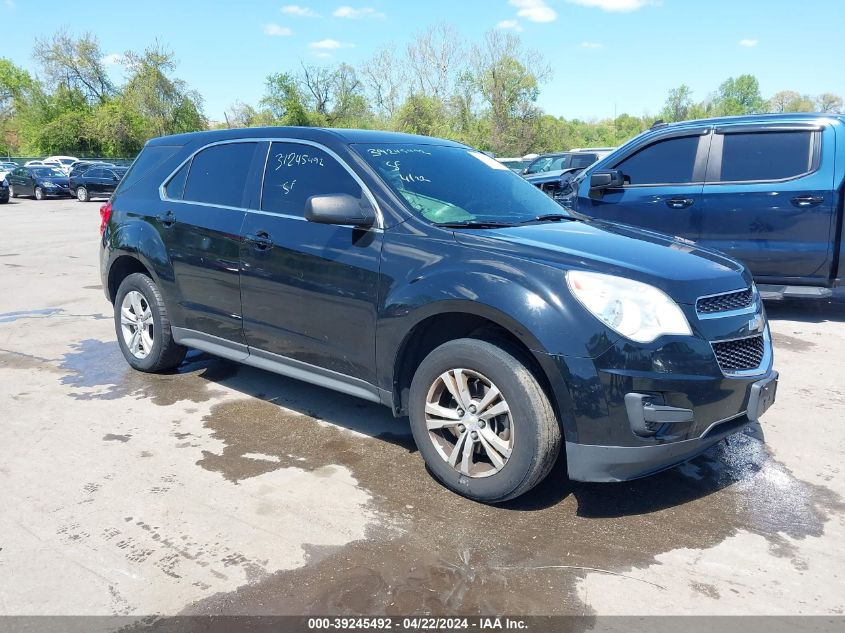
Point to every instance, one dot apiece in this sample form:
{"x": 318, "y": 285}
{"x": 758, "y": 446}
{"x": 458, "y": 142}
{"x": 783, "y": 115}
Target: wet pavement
{"x": 221, "y": 489}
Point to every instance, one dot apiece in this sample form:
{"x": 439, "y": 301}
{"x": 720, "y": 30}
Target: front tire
{"x": 12, "y": 192}
{"x": 39, "y": 193}
{"x": 82, "y": 194}
{"x": 482, "y": 422}
{"x": 143, "y": 329}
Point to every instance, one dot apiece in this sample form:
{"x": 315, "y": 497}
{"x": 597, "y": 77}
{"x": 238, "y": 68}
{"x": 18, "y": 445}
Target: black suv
{"x": 424, "y": 275}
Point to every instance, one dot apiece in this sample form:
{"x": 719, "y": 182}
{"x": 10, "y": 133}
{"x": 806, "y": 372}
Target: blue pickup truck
{"x": 765, "y": 189}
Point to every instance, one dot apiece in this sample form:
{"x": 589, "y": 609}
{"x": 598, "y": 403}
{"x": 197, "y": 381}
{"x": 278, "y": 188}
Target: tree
{"x": 166, "y": 104}
{"x": 284, "y": 101}
{"x": 739, "y": 96}
{"x": 790, "y": 101}
{"x": 508, "y": 79}
{"x": 435, "y": 59}
{"x": 829, "y": 102}
{"x": 383, "y": 82}
{"x": 75, "y": 63}
{"x": 678, "y": 104}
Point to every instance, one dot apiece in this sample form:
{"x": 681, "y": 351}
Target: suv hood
{"x": 680, "y": 268}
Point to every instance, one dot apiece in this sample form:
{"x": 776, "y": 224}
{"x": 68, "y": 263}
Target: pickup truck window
{"x": 766, "y": 156}
{"x": 670, "y": 161}
{"x": 455, "y": 184}
{"x": 295, "y": 172}
{"x": 218, "y": 174}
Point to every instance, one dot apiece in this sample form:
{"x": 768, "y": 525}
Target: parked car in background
{"x": 36, "y": 163}
{"x": 424, "y": 275}
{"x": 514, "y": 164}
{"x": 765, "y": 189}
{"x": 4, "y": 191}
{"x": 557, "y": 182}
{"x": 97, "y": 181}
{"x": 62, "y": 162}
{"x": 6, "y": 167}
{"x": 40, "y": 182}
{"x": 81, "y": 166}
{"x": 561, "y": 161}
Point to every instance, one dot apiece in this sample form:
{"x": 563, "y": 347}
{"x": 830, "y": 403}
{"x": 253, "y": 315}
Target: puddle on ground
{"x": 99, "y": 368}
{"x": 456, "y": 556}
{"x": 11, "y": 317}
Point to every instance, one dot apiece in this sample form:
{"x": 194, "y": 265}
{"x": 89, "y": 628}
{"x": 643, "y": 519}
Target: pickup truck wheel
{"x": 143, "y": 329}
{"x": 482, "y": 422}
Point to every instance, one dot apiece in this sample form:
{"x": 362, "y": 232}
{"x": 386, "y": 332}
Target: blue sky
{"x": 607, "y": 55}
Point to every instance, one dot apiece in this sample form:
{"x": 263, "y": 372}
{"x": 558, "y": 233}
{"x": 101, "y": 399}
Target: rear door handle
{"x": 166, "y": 219}
{"x": 261, "y": 240}
{"x": 679, "y": 203}
{"x": 807, "y": 201}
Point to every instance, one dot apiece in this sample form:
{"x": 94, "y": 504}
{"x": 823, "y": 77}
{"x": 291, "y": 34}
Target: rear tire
{"x": 82, "y": 194}
{"x": 12, "y": 192}
{"x": 39, "y": 193}
{"x": 495, "y": 442}
{"x": 143, "y": 329}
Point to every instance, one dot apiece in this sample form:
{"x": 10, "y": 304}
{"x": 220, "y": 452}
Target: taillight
{"x": 105, "y": 214}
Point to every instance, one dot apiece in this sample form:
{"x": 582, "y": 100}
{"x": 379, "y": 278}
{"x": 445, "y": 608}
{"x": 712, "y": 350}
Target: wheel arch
{"x": 465, "y": 319}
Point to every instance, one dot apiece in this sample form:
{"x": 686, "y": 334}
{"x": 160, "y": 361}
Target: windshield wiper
{"x": 550, "y": 217}
{"x": 476, "y": 224}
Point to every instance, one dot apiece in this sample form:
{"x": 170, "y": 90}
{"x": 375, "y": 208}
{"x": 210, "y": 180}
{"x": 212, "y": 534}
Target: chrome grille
{"x": 725, "y": 302}
{"x": 741, "y": 354}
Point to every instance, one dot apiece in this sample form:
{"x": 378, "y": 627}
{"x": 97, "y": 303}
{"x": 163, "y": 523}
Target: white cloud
{"x": 356, "y": 14}
{"x": 276, "y": 30}
{"x": 749, "y": 43}
{"x": 302, "y": 12}
{"x": 534, "y": 10}
{"x": 592, "y": 45}
{"x": 328, "y": 45}
{"x": 509, "y": 24}
{"x": 614, "y": 6}
{"x": 114, "y": 59}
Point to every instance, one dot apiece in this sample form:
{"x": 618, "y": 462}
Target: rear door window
{"x": 670, "y": 161}
{"x": 218, "y": 174}
{"x": 295, "y": 172}
{"x": 759, "y": 156}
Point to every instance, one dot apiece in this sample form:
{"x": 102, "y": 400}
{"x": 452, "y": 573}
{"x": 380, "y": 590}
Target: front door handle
{"x": 166, "y": 219}
{"x": 804, "y": 202}
{"x": 261, "y": 241}
{"x": 679, "y": 203}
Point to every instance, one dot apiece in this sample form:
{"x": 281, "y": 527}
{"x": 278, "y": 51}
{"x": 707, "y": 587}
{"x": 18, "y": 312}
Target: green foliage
{"x": 739, "y": 96}
{"x": 484, "y": 95}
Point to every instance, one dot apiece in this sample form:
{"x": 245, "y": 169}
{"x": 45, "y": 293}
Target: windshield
{"x": 455, "y": 184}
{"x": 48, "y": 172}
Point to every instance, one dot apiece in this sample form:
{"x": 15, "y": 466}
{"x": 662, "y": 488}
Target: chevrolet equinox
{"x": 423, "y": 275}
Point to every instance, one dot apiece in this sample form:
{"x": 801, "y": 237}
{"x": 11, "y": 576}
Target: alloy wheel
{"x": 469, "y": 422}
{"x": 136, "y": 324}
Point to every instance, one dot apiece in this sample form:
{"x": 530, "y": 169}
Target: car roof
{"x": 746, "y": 119}
{"x": 316, "y": 134}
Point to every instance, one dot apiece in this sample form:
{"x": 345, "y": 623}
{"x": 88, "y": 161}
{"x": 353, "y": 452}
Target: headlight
{"x": 636, "y": 310}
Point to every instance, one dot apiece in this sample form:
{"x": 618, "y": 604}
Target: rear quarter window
{"x": 150, "y": 158}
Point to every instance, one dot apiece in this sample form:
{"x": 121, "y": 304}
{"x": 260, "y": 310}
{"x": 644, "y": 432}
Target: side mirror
{"x": 606, "y": 179}
{"x": 340, "y": 208}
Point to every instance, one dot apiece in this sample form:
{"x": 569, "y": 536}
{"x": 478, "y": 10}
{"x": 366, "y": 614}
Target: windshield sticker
{"x": 490, "y": 162}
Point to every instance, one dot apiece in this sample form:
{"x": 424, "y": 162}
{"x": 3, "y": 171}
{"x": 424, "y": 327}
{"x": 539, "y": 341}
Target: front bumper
{"x": 639, "y": 409}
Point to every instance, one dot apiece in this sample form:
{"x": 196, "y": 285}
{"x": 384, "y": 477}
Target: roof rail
{"x": 658, "y": 123}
